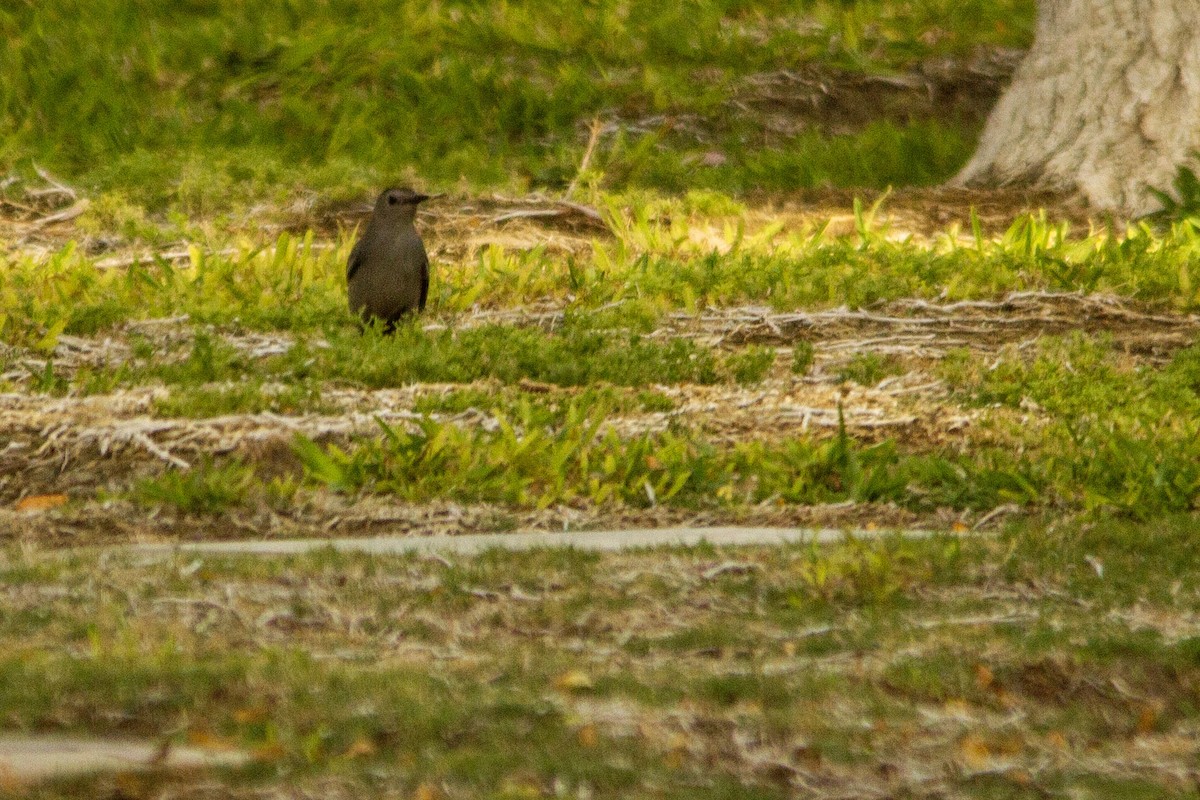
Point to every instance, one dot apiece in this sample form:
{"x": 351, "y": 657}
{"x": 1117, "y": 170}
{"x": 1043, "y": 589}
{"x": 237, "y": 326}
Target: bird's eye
{"x": 392, "y": 199}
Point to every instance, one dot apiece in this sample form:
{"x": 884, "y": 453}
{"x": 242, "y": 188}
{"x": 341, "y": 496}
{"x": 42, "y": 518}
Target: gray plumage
{"x": 388, "y": 272}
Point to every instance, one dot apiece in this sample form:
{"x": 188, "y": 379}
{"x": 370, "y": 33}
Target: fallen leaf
{"x": 251, "y": 715}
{"x": 1147, "y": 719}
{"x": 129, "y": 785}
{"x": 573, "y": 681}
{"x": 360, "y": 748}
{"x": 588, "y": 736}
{"x": 1020, "y": 777}
{"x": 808, "y": 755}
{"x": 1056, "y": 740}
{"x": 984, "y": 677}
{"x": 427, "y": 791}
{"x": 1006, "y": 698}
{"x": 8, "y": 780}
{"x": 272, "y": 751}
{"x": 1012, "y": 745}
{"x": 41, "y": 502}
{"x": 209, "y": 741}
{"x": 974, "y": 751}
{"x": 957, "y": 707}
{"x": 521, "y": 786}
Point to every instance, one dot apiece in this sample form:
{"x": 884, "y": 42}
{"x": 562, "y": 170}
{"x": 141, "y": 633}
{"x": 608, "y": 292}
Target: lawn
{"x": 671, "y": 285}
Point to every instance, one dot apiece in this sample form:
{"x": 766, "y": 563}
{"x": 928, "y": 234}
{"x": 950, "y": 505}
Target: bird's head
{"x": 399, "y": 202}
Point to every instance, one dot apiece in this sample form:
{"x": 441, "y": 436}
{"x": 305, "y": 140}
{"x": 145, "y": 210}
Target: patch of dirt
{"x": 963, "y": 90}
{"x": 774, "y": 107}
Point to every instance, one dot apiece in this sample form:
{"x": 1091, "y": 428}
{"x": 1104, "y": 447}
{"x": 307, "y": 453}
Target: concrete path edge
{"x": 473, "y": 544}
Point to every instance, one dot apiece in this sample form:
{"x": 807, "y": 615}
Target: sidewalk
{"x": 472, "y": 544}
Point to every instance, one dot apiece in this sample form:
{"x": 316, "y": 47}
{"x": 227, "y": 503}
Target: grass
{"x": 1141, "y": 467}
{"x": 615, "y": 330}
{"x": 214, "y": 372}
{"x": 205, "y": 489}
{"x": 715, "y": 356}
{"x": 653, "y": 266}
{"x": 333, "y": 676}
{"x": 1139, "y": 459}
{"x": 504, "y": 437}
{"x": 868, "y": 369}
{"x": 211, "y": 107}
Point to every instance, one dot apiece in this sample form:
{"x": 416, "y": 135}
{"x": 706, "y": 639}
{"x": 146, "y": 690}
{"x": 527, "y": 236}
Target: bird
{"x": 387, "y": 274}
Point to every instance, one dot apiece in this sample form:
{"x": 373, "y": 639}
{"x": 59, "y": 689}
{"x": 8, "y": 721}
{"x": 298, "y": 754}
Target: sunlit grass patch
{"x": 655, "y": 265}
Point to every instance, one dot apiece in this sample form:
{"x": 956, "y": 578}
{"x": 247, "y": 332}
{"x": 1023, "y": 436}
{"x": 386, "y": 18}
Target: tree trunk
{"x": 1106, "y": 103}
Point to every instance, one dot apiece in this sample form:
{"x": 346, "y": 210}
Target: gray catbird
{"x": 388, "y": 272}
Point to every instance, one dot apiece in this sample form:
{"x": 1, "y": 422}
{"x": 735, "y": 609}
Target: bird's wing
{"x": 356, "y": 259}
{"x": 424, "y": 281}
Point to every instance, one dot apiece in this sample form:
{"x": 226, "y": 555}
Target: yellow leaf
{"x": 809, "y": 756}
{"x": 251, "y": 715}
{"x": 588, "y": 736}
{"x": 1020, "y": 777}
{"x": 195, "y": 256}
{"x": 521, "y": 786}
{"x": 129, "y": 785}
{"x": 9, "y": 783}
{"x": 208, "y": 740}
{"x": 958, "y": 707}
{"x": 1012, "y": 745}
{"x": 273, "y": 751}
{"x": 361, "y": 747}
{"x": 1147, "y": 719}
{"x": 40, "y": 502}
{"x": 427, "y": 791}
{"x": 573, "y": 681}
{"x": 1056, "y": 740}
{"x": 974, "y": 750}
{"x": 984, "y": 677}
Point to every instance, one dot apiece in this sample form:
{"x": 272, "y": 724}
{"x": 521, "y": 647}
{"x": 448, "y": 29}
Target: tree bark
{"x": 1105, "y": 104}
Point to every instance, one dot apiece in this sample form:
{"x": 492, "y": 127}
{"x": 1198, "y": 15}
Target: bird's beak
{"x": 421, "y": 198}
